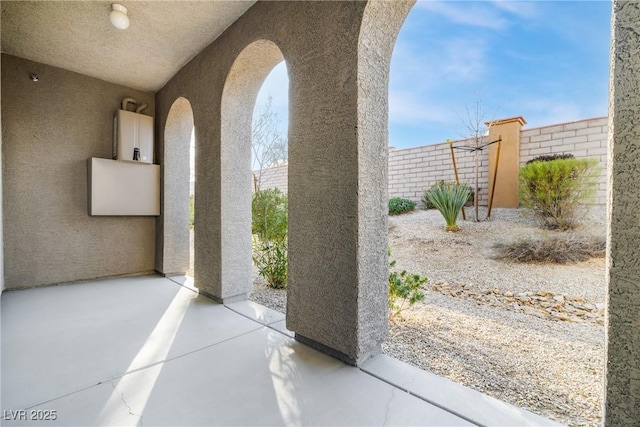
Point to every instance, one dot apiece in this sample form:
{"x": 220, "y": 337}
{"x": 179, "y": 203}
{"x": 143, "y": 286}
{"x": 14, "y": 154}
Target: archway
{"x": 470, "y": 316}
{"x": 172, "y": 251}
{"x": 241, "y": 88}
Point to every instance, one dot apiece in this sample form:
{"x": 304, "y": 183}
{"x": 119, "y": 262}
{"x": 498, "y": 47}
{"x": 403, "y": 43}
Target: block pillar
{"x": 622, "y": 377}
{"x": 506, "y": 181}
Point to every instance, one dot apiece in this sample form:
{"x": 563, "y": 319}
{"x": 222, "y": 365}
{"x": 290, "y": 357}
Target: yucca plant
{"x": 449, "y": 198}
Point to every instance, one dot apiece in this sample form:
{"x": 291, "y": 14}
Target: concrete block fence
{"x": 274, "y": 177}
{"x": 414, "y": 169}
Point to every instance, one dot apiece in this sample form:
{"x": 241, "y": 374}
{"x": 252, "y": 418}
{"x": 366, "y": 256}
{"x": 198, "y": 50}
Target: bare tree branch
{"x": 269, "y": 147}
{"x": 477, "y": 127}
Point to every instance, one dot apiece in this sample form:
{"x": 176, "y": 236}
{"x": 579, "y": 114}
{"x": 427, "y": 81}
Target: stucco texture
{"x": 337, "y": 163}
{"x": 50, "y": 128}
{"x": 622, "y": 400}
{"x": 172, "y": 226}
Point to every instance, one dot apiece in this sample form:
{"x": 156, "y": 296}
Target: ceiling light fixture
{"x": 118, "y": 16}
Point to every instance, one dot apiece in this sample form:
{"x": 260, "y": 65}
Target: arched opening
{"x": 269, "y": 202}
{"x": 173, "y": 251}
{"x": 242, "y": 84}
{"x": 536, "y": 314}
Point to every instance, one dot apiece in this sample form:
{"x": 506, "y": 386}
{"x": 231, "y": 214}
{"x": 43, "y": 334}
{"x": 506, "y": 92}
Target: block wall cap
{"x": 507, "y": 120}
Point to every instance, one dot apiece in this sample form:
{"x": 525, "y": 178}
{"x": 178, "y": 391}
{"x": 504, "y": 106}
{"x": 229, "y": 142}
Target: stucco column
{"x": 622, "y": 394}
{"x": 172, "y": 226}
{"x": 338, "y": 271}
{"x": 506, "y": 187}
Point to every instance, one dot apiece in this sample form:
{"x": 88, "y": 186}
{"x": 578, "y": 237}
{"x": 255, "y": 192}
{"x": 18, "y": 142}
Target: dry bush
{"x": 556, "y": 249}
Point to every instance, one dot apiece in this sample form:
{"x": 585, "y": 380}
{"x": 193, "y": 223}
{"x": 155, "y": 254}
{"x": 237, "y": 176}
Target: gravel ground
{"x": 552, "y": 368}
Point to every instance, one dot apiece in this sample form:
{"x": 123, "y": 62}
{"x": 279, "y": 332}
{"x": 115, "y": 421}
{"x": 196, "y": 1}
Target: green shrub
{"x": 398, "y": 205}
{"x": 269, "y": 226}
{"x": 271, "y": 261}
{"x": 192, "y": 211}
{"x": 557, "y": 249}
{"x": 554, "y": 190}
{"x": 425, "y": 200}
{"x": 449, "y": 198}
{"x": 404, "y": 289}
{"x": 269, "y": 219}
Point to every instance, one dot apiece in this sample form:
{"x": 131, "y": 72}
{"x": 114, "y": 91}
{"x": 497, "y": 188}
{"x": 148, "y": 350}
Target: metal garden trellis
{"x": 477, "y": 149}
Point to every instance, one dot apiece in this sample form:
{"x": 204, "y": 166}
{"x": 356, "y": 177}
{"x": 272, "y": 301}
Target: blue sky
{"x": 545, "y": 60}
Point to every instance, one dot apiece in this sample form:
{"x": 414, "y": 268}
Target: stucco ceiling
{"x": 77, "y": 35}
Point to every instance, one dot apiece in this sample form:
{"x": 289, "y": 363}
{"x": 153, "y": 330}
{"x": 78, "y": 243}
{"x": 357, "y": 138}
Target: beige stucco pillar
{"x": 506, "y": 184}
{"x": 337, "y": 56}
{"x": 338, "y": 145}
{"x": 622, "y": 382}
{"x": 172, "y": 226}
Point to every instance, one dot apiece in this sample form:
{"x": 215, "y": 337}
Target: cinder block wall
{"x": 275, "y": 177}
{"x": 415, "y": 169}
{"x": 412, "y": 170}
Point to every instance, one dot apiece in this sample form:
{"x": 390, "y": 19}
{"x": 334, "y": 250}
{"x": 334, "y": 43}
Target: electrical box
{"x": 118, "y": 188}
{"x": 134, "y": 137}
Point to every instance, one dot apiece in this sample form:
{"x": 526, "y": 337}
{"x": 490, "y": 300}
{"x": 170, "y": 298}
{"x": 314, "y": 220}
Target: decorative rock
{"x": 542, "y": 304}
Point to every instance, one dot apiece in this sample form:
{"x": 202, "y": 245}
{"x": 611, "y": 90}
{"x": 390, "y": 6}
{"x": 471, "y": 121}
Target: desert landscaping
{"x": 530, "y": 334}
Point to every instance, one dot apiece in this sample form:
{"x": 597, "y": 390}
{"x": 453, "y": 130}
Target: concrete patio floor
{"x": 151, "y": 351}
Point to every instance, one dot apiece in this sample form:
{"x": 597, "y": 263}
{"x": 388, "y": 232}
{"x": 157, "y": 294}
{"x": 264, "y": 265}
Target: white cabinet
{"x": 123, "y": 188}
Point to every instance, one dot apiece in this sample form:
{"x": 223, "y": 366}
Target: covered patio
{"x": 149, "y": 350}
{"x": 98, "y": 323}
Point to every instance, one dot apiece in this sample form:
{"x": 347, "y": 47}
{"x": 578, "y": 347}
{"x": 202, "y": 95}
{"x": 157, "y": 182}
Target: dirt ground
{"x": 475, "y": 336}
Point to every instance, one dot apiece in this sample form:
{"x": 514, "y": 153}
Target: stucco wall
{"x": 1, "y": 229}
{"x": 622, "y": 382}
{"x": 50, "y": 128}
{"x": 331, "y": 300}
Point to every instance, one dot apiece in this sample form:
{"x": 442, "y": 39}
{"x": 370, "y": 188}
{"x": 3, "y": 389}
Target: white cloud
{"x": 542, "y": 112}
{"x": 524, "y": 9}
{"x": 426, "y": 76}
{"x": 430, "y": 66}
{"x": 409, "y": 107}
{"x": 475, "y": 14}
{"x": 463, "y": 60}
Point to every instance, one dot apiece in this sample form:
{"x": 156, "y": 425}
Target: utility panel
{"x": 134, "y": 137}
{"x": 123, "y": 188}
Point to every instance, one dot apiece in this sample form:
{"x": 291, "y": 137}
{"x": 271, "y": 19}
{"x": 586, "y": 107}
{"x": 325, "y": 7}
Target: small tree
{"x": 555, "y": 189}
{"x": 269, "y": 147}
{"x": 477, "y": 126}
